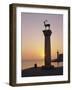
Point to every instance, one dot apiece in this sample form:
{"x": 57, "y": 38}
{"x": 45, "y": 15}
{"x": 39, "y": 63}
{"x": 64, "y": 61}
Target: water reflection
{"x": 30, "y": 63}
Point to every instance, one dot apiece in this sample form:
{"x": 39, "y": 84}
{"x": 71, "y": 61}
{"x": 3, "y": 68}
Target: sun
{"x": 41, "y": 53}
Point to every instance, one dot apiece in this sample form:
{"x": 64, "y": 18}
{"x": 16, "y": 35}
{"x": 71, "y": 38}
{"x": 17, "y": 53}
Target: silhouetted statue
{"x": 46, "y": 25}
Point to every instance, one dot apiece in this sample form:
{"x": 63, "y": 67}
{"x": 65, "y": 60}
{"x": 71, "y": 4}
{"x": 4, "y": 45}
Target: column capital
{"x": 47, "y": 32}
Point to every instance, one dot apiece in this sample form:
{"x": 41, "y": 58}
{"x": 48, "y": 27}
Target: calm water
{"x": 30, "y": 63}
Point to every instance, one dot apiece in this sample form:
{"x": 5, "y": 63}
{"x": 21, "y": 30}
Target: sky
{"x": 32, "y": 37}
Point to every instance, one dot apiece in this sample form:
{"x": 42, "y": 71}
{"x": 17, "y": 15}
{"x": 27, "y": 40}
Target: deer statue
{"x": 46, "y": 25}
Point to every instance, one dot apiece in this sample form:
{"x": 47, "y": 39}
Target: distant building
{"x": 59, "y": 57}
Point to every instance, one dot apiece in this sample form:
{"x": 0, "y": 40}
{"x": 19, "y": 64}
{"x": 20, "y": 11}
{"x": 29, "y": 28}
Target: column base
{"x": 48, "y": 67}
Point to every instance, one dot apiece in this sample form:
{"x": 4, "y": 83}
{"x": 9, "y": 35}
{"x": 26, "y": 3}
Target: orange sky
{"x": 32, "y": 38}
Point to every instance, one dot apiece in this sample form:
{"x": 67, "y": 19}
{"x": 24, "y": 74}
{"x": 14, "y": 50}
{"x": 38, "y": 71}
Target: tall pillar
{"x": 47, "y": 33}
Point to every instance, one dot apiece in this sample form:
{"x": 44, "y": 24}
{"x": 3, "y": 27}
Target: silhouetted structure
{"x": 47, "y": 33}
{"x": 59, "y": 57}
{"x": 35, "y": 65}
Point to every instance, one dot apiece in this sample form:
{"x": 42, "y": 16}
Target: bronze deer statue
{"x": 46, "y": 25}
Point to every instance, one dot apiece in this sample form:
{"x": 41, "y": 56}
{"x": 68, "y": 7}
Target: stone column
{"x": 47, "y": 34}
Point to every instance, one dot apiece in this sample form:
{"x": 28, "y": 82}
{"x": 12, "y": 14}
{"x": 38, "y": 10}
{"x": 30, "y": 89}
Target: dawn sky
{"x": 32, "y": 38}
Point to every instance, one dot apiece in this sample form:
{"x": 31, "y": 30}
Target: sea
{"x": 25, "y": 64}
